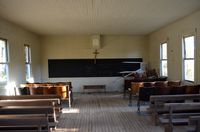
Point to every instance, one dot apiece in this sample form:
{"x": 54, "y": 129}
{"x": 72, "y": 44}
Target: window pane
{"x": 164, "y": 51}
{"x": 3, "y": 72}
{"x": 27, "y": 59}
{"x": 27, "y": 62}
{"x": 3, "y": 57}
{"x": 28, "y": 71}
{"x": 189, "y": 70}
{"x": 189, "y": 47}
{"x": 164, "y": 68}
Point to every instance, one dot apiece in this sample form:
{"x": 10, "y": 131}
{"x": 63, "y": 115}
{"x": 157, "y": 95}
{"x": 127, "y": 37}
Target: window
{"x": 3, "y": 61}
{"x": 188, "y": 58}
{"x": 27, "y": 62}
{"x": 163, "y": 59}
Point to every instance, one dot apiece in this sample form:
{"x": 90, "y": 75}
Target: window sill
{"x": 188, "y": 82}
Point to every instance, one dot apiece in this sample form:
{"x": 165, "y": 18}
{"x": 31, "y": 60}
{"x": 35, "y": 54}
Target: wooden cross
{"x": 95, "y": 56}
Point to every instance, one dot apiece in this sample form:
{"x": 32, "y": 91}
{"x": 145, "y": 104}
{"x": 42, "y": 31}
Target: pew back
{"x": 24, "y": 123}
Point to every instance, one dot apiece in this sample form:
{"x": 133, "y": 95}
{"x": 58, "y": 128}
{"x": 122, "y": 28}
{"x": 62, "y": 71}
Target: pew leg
{"x": 69, "y": 101}
{"x": 130, "y": 99}
{"x": 138, "y": 105}
{"x": 168, "y": 128}
{"x": 155, "y": 118}
{"x": 124, "y": 95}
{"x": 198, "y": 126}
{"x": 71, "y": 96}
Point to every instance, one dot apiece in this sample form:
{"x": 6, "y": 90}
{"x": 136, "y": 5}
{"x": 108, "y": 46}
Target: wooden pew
{"x": 24, "y": 123}
{"x": 62, "y": 89}
{"x": 157, "y": 102}
{"x": 55, "y": 98}
{"x": 134, "y": 90}
{"x": 182, "y": 119}
{"x": 3, "y": 97}
{"x": 29, "y": 105}
{"x": 26, "y": 103}
{"x": 5, "y": 103}
{"x": 27, "y": 110}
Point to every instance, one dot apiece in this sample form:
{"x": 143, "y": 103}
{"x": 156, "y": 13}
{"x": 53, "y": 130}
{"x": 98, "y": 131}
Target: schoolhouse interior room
{"x": 100, "y": 65}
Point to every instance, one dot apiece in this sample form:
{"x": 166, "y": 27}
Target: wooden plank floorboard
{"x": 104, "y": 113}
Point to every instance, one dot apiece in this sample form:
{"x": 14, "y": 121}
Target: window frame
{"x": 184, "y": 56}
{"x": 162, "y": 59}
{"x": 27, "y": 63}
{"x": 6, "y": 63}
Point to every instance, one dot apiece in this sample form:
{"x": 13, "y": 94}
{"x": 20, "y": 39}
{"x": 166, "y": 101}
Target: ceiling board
{"x": 56, "y": 17}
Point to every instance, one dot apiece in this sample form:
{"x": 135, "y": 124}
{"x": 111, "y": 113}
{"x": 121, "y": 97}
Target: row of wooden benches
{"x": 143, "y": 90}
{"x": 170, "y": 110}
{"x": 62, "y": 89}
{"x": 29, "y": 112}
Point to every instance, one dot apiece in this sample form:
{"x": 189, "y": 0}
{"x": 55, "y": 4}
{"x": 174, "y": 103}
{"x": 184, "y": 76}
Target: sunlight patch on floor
{"x": 66, "y": 130}
{"x": 71, "y": 110}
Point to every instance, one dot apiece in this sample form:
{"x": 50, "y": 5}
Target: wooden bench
{"x": 157, "y": 103}
{"x": 26, "y": 103}
{"x": 27, "y": 110}
{"x": 181, "y": 118}
{"x": 36, "y": 98}
{"x": 62, "y": 89}
{"x": 49, "y": 103}
{"x": 31, "y": 106}
{"x": 20, "y": 123}
{"x": 94, "y": 87}
{"x": 54, "y": 98}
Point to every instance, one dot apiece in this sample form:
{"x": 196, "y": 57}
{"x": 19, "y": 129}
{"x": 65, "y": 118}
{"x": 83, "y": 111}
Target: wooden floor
{"x": 104, "y": 113}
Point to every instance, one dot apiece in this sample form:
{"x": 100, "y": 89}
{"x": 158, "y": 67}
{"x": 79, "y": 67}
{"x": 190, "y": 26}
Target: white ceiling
{"x": 56, "y": 17}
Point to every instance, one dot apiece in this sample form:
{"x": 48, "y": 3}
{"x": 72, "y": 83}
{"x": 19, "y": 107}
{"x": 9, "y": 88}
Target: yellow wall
{"x": 72, "y": 47}
{"x": 113, "y": 46}
{"x": 17, "y": 37}
{"x": 174, "y": 33}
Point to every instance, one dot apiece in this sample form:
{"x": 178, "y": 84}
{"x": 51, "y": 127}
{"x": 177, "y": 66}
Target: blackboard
{"x": 88, "y": 68}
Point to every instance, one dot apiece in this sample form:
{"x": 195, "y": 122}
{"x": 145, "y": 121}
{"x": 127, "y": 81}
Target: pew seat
{"x": 23, "y": 97}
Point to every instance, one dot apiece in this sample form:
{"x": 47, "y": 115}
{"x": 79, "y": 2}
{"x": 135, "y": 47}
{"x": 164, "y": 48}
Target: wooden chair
{"x": 161, "y": 88}
{"x": 135, "y": 87}
{"x": 144, "y": 95}
{"x": 134, "y": 90}
{"x": 192, "y": 89}
{"x": 174, "y": 83}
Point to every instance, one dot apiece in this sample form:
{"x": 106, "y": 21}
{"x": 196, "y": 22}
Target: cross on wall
{"x": 95, "y": 56}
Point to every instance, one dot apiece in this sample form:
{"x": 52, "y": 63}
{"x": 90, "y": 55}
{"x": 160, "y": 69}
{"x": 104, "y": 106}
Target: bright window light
{"x": 163, "y": 59}
{"x": 188, "y": 58}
